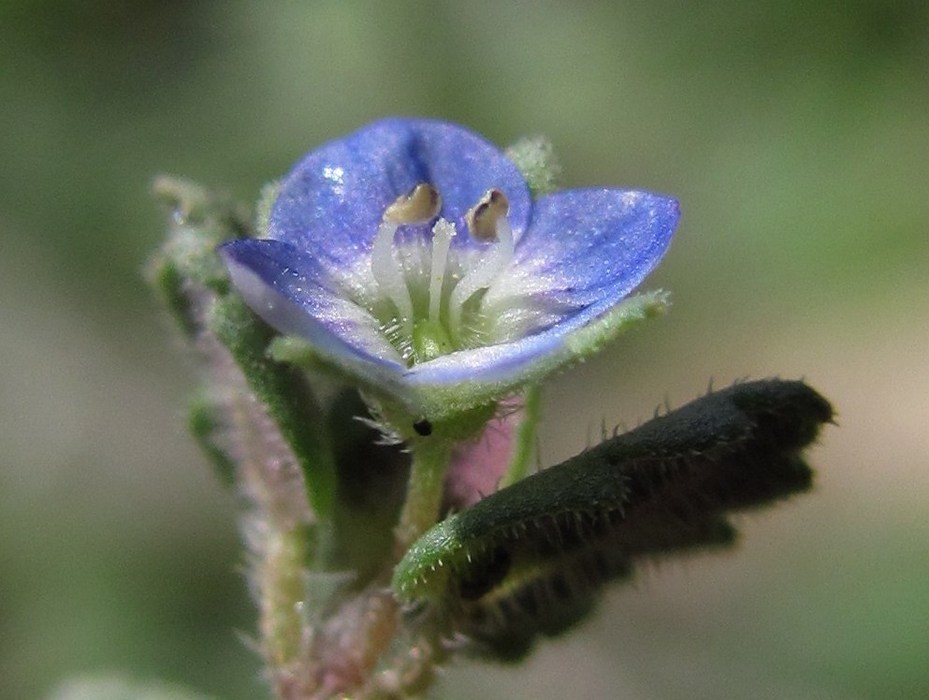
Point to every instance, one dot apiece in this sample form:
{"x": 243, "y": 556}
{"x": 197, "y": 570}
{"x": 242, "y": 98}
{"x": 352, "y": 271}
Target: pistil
{"x": 442, "y": 234}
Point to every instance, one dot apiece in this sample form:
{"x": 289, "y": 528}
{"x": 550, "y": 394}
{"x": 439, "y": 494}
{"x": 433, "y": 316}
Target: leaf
{"x": 531, "y": 558}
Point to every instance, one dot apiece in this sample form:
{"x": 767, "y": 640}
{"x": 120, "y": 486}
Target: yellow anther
{"x": 482, "y": 218}
{"x": 417, "y": 207}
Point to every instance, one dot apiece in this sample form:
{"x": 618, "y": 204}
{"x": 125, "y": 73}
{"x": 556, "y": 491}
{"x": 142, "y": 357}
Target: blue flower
{"x": 411, "y": 255}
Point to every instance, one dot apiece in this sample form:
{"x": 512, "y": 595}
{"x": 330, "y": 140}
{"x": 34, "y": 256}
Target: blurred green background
{"x": 796, "y": 136}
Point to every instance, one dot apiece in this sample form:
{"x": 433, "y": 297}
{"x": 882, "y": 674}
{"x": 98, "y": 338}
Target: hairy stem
{"x": 424, "y": 493}
{"x": 524, "y": 437}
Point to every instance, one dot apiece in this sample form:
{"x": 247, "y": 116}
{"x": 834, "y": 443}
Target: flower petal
{"x": 282, "y": 285}
{"x": 584, "y": 251}
{"x": 577, "y": 255}
{"x": 332, "y": 201}
{"x": 468, "y": 378}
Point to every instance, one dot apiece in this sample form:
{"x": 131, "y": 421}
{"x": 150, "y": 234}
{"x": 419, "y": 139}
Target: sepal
{"x": 536, "y": 159}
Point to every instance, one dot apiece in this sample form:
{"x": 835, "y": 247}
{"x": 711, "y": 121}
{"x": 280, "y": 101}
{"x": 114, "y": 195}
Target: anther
{"x": 422, "y": 204}
{"x": 487, "y": 221}
{"x": 482, "y": 218}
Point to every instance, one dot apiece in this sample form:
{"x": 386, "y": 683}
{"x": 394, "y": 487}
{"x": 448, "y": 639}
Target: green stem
{"x": 282, "y": 589}
{"x": 524, "y": 437}
{"x": 289, "y": 400}
{"x": 425, "y": 490}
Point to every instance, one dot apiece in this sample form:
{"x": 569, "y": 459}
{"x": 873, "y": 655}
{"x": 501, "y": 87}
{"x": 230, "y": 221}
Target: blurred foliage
{"x": 795, "y": 135}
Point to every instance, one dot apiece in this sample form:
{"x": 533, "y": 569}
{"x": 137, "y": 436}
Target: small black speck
{"x": 423, "y": 427}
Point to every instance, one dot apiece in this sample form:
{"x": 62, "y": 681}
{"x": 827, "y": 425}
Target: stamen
{"x": 386, "y": 271}
{"x": 417, "y": 207}
{"x": 487, "y": 222}
{"x": 442, "y": 234}
{"x": 482, "y": 217}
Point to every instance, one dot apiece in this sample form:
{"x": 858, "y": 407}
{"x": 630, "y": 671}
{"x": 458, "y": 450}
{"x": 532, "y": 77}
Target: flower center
{"x": 434, "y": 305}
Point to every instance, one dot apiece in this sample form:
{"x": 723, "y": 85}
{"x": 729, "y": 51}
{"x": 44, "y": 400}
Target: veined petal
{"x": 333, "y": 200}
{"x": 283, "y": 286}
{"x": 584, "y": 251}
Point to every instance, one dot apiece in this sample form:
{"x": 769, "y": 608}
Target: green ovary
{"x": 430, "y": 340}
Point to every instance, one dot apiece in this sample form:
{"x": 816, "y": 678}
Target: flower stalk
{"x": 428, "y": 467}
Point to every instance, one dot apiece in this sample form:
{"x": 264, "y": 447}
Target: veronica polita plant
{"x": 373, "y": 347}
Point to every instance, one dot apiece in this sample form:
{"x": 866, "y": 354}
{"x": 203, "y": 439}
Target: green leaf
{"x": 193, "y": 282}
{"x": 531, "y": 558}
